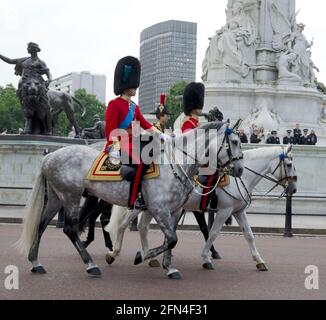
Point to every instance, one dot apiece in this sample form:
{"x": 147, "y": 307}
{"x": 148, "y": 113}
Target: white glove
{"x": 115, "y": 155}
{"x": 164, "y": 137}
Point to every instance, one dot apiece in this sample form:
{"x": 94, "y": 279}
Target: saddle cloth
{"x": 100, "y": 170}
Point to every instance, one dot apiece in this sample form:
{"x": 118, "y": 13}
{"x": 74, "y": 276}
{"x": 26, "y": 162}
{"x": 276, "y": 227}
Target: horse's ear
{"x": 237, "y": 125}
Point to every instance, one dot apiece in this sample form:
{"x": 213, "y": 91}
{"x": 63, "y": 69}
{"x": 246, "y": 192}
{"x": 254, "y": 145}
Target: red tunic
{"x": 190, "y": 123}
{"x": 116, "y": 112}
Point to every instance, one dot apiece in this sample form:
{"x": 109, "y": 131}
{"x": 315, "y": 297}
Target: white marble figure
{"x": 285, "y": 64}
{"x": 300, "y": 47}
{"x": 312, "y": 68}
{"x": 323, "y": 116}
{"x": 227, "y": 45}
{"x": 283, "y": 27}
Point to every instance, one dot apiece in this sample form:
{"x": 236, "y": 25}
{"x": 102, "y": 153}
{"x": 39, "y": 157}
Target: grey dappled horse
{"x": 66, "y": 169}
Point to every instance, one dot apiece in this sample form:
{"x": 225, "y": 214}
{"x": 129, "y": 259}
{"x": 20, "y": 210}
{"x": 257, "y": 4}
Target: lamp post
{"x": 288, "y": 218}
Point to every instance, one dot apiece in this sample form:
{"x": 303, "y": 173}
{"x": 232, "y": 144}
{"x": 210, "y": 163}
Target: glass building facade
{"x": 168, "y": 54}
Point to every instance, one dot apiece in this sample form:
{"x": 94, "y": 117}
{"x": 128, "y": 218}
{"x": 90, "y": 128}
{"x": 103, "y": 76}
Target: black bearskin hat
{"x": 127, "y": 75}
{"x": 193, "y": 97}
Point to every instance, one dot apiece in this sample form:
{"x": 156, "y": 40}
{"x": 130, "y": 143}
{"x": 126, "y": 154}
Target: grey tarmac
{"x": 235, "y": 276}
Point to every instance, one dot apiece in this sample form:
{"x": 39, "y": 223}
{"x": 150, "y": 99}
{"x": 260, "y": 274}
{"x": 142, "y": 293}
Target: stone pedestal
{"x": 20, "y": 158}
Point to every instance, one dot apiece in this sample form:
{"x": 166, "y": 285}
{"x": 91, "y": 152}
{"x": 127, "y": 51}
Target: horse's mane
{"x": 212, "y": 125}
{"x": 263, "y": 153}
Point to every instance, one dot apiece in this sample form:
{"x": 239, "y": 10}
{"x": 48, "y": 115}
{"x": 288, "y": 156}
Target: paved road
{"x": 235, "y": 276}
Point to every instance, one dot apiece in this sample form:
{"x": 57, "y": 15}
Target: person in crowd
{"x": 305, "y": 139}
{"x": 297, "y": 134}
{"x": 288, "y": 139}
{"x": 273, "y": 139}
{"x": 314, "y": 138}
{"x": 255, "y": 137}
{"x": 243, "y": 136}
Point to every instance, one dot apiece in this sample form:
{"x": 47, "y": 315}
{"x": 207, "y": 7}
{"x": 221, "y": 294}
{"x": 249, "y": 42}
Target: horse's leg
{"x": 143, "y": 228}
{"x": 219, "y": 221}
{"x": 91, "y": 228}
{"x": 106, "y": 210}
{"x": 70, "y": 231}
{"x": 200, "y": 217}
{"x": 111, "y": 256}
{"x": 172, "y": 273}
{"x": 164, "y": 220}
{"x": 52, "y": 207}
{"x": 242, "y": 220}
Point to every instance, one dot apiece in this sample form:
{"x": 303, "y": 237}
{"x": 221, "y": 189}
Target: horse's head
{"x": 233, "y": 149}
{"x": 286, "y": 172}
{"x": 32, "y": 89}
{"x": 229, "y": 154}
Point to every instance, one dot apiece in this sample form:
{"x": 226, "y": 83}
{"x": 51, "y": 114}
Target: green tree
{"x": 11, "y": 115}
{"x": 93, "y": 106}
{"x": 174, "y": 101}
{"x": 320, "y": 86}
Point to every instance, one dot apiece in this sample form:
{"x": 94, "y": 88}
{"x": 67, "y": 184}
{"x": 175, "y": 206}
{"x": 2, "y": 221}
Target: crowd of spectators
{"x": 296, "y": 136}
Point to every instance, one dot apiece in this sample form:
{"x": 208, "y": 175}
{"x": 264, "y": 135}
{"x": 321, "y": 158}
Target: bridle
{"x": 221, "y": 168}
{"x": 227, "y": 144}
{"x": 283, "y": 180}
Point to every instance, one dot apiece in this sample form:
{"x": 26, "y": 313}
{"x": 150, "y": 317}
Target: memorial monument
{"x": 259, "y": 66}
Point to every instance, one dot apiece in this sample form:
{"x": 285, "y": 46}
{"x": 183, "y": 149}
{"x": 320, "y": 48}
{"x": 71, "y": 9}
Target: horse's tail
{"x": 81, "y": 105}
{"x": 117, "y": 216}
{"x": 32, "y": 213}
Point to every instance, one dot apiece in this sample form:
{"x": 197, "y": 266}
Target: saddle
{"x": 103, "y": 170}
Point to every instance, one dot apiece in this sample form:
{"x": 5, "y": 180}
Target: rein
{"x": 220, "y": 169}
{"x": 282, "y": 181}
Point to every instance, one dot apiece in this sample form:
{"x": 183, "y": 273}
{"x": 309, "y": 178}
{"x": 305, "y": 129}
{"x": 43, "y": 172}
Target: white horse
{"x": 233, "y": 200}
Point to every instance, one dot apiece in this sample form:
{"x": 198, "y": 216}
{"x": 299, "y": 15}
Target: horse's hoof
{"x": 94, "y": 272}
{"x": 175, "y": 276}
{"x": 262, "y": 267}
{"x": 139, "y": 258}
{"x": 216, "y": 256}
{"x": 38, "y": 270}
{"x": 109, "y": 259}
{"x": 208, "y": 266}
{"x": 154, "y": 264}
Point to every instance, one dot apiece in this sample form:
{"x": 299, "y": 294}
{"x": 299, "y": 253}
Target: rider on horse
{"x": 162, "y": 114}
{"x": 121, "y": 114}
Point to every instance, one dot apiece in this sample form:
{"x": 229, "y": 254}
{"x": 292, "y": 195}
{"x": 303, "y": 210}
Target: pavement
{"x": 235, "y": 277}
{"x": 261, "y": 223}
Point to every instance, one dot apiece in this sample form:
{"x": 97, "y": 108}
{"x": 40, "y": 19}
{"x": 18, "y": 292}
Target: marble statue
{"x": 228, "y": 46}
{"x": 312, "y": 68}
{"x": 300, "y": 47}
{"x": 282, "y": 26}
{"x": 285, "y": 65}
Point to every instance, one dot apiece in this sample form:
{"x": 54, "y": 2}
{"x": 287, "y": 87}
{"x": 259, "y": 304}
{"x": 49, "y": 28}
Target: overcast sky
{"x": 77, "y": 35}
